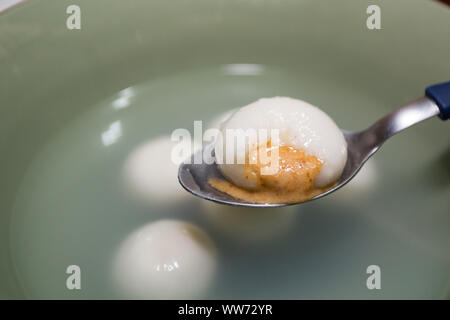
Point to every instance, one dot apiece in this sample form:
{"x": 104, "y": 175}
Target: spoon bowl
{"x": 194, "y": 177}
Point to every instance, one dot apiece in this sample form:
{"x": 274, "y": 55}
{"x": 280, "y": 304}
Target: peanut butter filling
{"x": 292, "y": 180}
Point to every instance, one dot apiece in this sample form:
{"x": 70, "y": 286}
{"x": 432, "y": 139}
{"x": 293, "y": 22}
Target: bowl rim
{"x": 7, "y": 5}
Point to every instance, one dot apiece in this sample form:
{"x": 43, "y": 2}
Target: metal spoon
{"x": 360, "y": 147}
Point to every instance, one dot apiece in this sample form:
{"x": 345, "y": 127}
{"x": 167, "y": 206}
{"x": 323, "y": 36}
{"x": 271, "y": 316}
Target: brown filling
{"x": 293, "y": 181}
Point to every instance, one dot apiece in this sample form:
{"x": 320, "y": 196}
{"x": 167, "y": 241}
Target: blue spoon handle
{"x": 440, "y": 93}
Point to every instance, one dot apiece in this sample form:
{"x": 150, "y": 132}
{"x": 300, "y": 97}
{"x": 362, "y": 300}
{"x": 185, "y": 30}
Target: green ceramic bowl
{"x": 67, "y": 128}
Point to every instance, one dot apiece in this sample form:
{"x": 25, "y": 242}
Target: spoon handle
{"x": 436, "y": 102}
{"x": 440, "y": 93}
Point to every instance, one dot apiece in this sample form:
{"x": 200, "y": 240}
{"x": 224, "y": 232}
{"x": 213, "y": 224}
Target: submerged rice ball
{"x": 250, "y": 226}
{"x": 167, "y": 259}
{"x": 150, "y": 173}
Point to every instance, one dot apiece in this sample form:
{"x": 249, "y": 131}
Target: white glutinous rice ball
{"x": 300, "y": 125}
{"x": 167, "y": 259}
{"x": 151, "y": 172}
{"x": 362, "y": 185}
{"x": 250, "y": 226}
